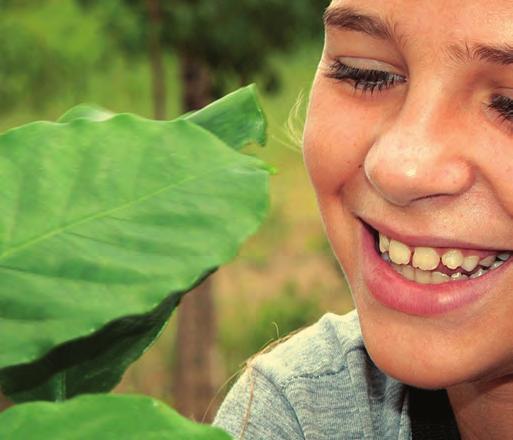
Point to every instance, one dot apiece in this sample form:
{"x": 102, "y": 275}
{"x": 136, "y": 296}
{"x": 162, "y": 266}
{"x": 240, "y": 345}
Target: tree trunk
{"x": 4, "y": 402}
{"x": 158, "y": 76}
{"x": 196, "y": 376}
{"x": 197, "y": 83}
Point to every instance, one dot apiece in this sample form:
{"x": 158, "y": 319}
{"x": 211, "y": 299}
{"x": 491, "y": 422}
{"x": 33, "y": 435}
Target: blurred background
{"x": 162, "y": 58}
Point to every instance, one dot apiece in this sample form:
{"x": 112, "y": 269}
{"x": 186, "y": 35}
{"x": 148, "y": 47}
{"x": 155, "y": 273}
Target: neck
{"x": 483, "y": 410}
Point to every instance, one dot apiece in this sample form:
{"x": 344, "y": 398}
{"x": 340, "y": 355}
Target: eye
{"x": 503, "y": 106}
{"x": 366, "y": 80}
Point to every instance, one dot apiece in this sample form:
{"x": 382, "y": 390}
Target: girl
{"x": 409, "y": 146}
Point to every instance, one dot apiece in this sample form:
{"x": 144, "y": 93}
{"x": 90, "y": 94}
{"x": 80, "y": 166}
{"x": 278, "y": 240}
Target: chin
{"x": 422, "y": 353}
{"x": 419, "y": 374}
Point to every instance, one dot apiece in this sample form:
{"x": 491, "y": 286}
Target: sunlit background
{"x": 160, "y": 59}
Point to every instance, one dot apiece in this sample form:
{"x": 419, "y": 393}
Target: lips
{"x": 396, "y": 292}
{"x": 424, "y": 240}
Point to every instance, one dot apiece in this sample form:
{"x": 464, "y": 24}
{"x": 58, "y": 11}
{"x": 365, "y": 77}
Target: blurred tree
{"x": 42, "y": 54}
{"x": 216, "y": 43}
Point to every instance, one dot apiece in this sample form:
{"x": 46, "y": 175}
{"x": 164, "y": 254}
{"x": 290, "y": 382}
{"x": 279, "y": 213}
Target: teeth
{"x": 425, "y": 258}
{"x": 496, "y": 264}
{"x": 488, "y": 261}
{"x": 422, "y": 276}
{"x": 408, "y": 272}
{"x": 384, "y": 243}
{"x": 427, "y": 277}
{"x": 399, "y": 252}
{"x": 438, "y": 278}
{"x": 452, "y": 259}
{"x": 397, "y": 267}
{"x": 470, "y": 263}
{"x": 477, "y": 274}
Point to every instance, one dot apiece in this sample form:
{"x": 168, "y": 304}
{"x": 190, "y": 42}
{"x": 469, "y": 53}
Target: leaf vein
{"x": 94, "y": 216}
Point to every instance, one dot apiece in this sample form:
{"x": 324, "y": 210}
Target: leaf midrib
{"x": 94, "y": 216}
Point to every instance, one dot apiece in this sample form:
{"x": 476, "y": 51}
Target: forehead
{"x": 441, "y": 20}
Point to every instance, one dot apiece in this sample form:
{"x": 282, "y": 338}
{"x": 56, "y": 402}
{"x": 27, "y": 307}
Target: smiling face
{"x": 410, "y": 134}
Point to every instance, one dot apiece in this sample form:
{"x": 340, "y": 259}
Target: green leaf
{"x": 105, "y": 226}
{"x": 241, "y": 109}
{"x": 91, "y": 364}
{"x": 106, "y": 417}
{"x": 86, "y": 111}
{"x": 237, "y": 119}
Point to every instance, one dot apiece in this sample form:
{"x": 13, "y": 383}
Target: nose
{"x": 419, "y": 155}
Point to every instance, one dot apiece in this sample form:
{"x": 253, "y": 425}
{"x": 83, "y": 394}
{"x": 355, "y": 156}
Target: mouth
{"x": 432, "y": 265}
{"x": 415, "y": 278}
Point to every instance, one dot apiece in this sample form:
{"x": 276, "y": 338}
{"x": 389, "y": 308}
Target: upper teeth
{"x": 427, "y": 258}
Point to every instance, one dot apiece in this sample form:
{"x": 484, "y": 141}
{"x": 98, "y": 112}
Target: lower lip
{"x": 398, "y": 293}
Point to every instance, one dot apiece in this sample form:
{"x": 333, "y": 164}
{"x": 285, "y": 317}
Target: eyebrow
{"x": 344, "y": 17}
{"x": 348, "y": 18}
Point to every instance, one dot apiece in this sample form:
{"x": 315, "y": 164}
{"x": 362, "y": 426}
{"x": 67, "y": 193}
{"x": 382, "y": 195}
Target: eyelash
{"x": 369, "y": 80}
{"x": 365, "y": 80}
{"x": 503, "y": 106}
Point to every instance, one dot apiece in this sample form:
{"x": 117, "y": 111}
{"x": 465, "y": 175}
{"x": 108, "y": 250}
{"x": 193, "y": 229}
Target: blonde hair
{"x": 247, "y": 367}
{"x": 294, "y": 125}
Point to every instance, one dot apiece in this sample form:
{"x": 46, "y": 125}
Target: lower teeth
{"x": 479, "y": 273}
{"x": 496, "y": 264}
{"x": 428, "y": 277}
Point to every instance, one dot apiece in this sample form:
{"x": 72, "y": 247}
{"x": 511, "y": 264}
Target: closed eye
{"x": 365, "y": 80}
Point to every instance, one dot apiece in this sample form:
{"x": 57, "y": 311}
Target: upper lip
{"x": 418, "y": 240}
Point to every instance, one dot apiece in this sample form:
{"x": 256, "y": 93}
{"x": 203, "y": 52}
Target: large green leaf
{"x": 239, "y": 109}
{"x": 237, "y": 119}
{"x": 101, "y": 221}
{"x": 86, "y": 111}
{"x": 106, "y": 417}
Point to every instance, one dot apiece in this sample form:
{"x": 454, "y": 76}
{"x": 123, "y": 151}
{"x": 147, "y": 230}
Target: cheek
{"x": 336, "y": 138}
{"x": 493, "y": 156}
{"x": 499, "y": 172}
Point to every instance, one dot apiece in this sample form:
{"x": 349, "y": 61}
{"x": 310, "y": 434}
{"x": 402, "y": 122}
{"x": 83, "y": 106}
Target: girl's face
{"x": 409, "y": 136}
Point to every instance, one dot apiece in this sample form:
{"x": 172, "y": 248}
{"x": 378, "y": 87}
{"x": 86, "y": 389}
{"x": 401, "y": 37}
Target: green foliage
{"x": 43, "y": 53}
{"x": 248, "y": 118}
{"x": 85, "y": 111}
{"x": 233, "y": 38}
{"x": 290, "y": 311}
{"x": 106, "y": 224}
{"x": 237, "y": 36}
{"x": 275, "y": 318}
{"x": 105, "y": 417}
{"x": 240, "y": 110}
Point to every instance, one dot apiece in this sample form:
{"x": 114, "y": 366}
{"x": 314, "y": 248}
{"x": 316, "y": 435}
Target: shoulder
{"x": 320, "y": 349}
{"x": 318, "y": 384}
{"x": 329, "y": 380}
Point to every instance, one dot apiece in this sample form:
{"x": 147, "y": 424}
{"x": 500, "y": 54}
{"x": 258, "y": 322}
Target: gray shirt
{"x": 320, "y": 384}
